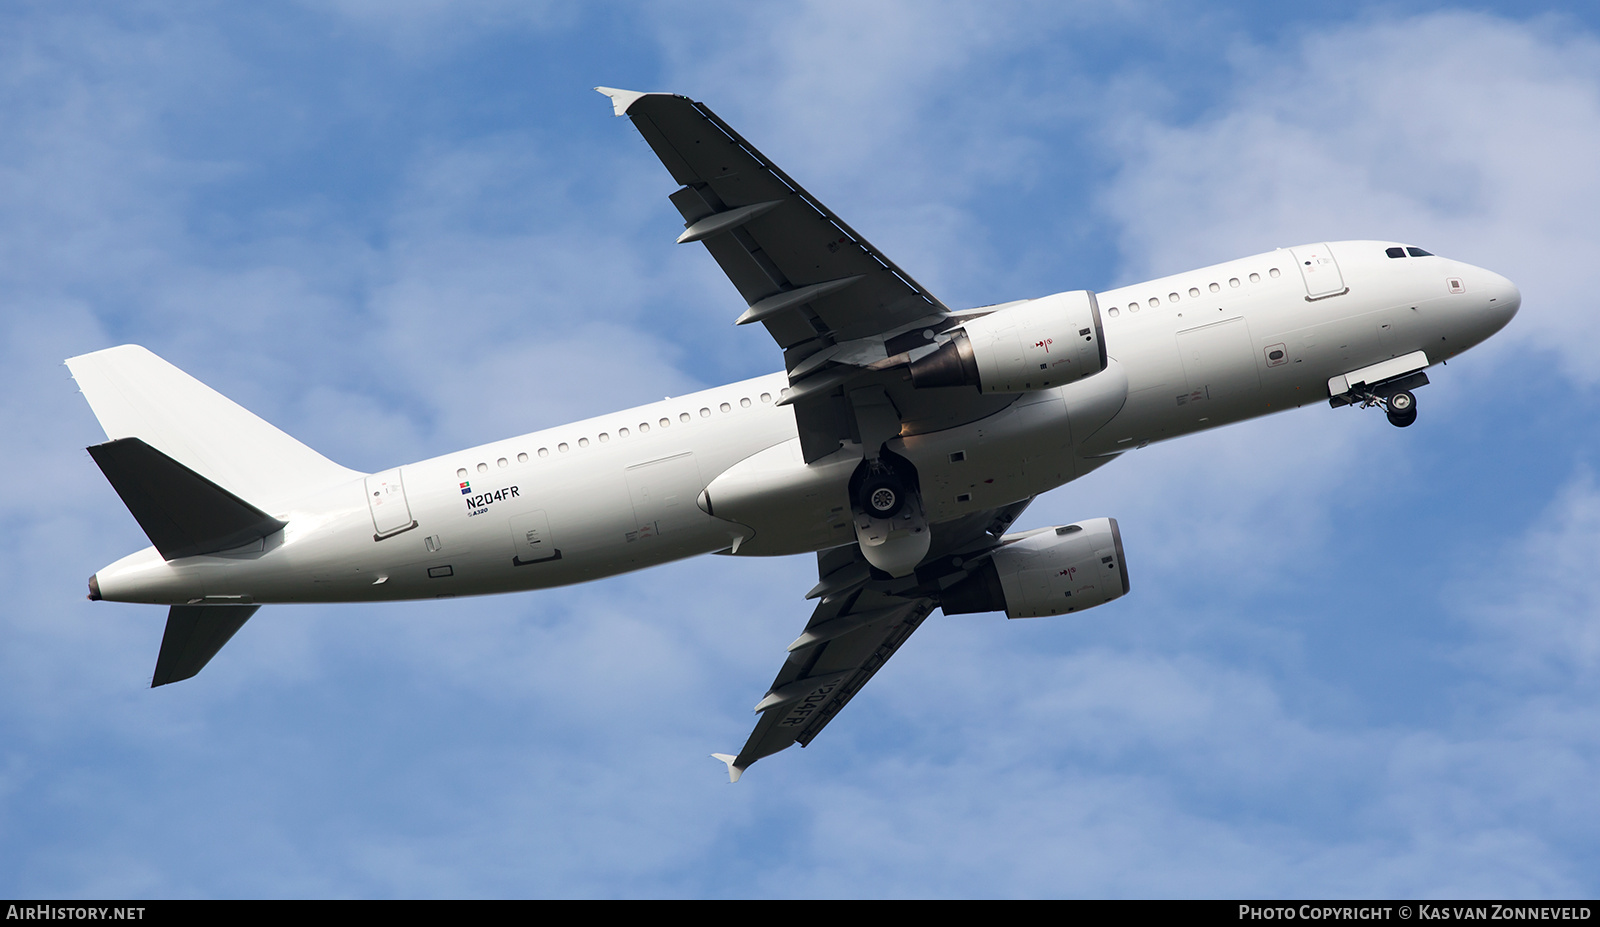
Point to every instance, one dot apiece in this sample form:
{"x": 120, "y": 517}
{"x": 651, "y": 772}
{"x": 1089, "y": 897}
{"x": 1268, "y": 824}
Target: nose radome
{"x": 1505, "y": 298}
{"x": 1513, "y": 297}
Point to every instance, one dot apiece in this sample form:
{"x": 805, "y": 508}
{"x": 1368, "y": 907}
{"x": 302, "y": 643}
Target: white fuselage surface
{"x": 628, "y": 490}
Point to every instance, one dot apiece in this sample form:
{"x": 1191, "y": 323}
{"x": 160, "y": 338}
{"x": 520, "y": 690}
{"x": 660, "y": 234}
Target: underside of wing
{"x": 802, "y": 271}
{"x": 848, "y": 639}
{"x": 862, "y": 620}
{"x": 845, "y": 315}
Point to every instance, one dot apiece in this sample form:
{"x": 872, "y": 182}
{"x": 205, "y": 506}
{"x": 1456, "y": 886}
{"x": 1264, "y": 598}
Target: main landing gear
{"x": 891, "y": 525}
{"x": 882, "y": 494}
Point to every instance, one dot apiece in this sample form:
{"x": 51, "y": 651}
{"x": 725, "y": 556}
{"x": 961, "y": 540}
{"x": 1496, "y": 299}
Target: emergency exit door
{"x": 386, "y": 496}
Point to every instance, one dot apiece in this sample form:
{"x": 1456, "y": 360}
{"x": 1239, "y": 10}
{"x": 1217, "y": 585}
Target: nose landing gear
{"x": 1402, "y": 409}
{"x": 1394, "y": 397}
{"x": 1400, "y": 405}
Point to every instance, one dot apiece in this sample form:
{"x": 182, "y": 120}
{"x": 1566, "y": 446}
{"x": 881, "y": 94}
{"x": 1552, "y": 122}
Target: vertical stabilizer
{"x": 136, "y": 394}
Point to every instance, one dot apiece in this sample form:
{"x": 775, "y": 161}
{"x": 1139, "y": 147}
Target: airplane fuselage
{"x": 629, "y": 490}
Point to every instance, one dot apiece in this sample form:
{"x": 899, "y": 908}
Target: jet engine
{"x": 1050, "y": 571}
{"x": 1033, "y": 345}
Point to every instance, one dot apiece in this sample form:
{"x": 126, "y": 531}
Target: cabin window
{"x": 704, "y": 412}
{"x": 1216, "y": 288}
{"x": 1274, "y": 272}
{"x": 1172, "y": 297}
{"x": 644, "y": 427}
{"x": 1155, "y": 301}
{"x": 1194, "y": 292}
{"x": 623, "y": 432}
{"x": 744, "y": 403}
{"x": 583, "y": 442}
{"x": 604, "y": 437}
{"x": 483, "y": 468}
{"x": 1255, "y": 278}
{"x": 766, "y": 397}
{"x": 1133, "y": 307}
{"x": 522, "y": 458}
{"x": 725, "y": 407}
{"x": 544, "y": 452}
{"x": 562, "y": 447}
{"x": 502, "y": 462}
{"x": 684, "y": 417}
{"x": 1233, "y": 281}
{"x": 1112, "y": 312}
{"x": 461, "y": 474}
{"x": 665, "y": 423}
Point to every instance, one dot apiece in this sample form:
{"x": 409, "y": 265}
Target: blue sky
{"x": 1356, "y": 660}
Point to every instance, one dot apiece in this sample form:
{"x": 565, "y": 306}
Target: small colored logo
{"x": 466, "y": 488}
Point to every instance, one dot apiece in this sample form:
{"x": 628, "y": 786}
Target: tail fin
{"x": 136, "y": 394}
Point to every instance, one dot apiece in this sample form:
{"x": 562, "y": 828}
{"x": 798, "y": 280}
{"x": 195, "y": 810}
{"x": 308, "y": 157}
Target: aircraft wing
{"x": 860, "y": 622}
{"x": 852, "y": 633}
{"x": 802, "y": 272}
{"x": 845, "y": 315}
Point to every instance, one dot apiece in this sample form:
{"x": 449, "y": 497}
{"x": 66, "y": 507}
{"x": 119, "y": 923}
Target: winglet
{"x": 621, "y": 99}
{"x": 734, "y": 772}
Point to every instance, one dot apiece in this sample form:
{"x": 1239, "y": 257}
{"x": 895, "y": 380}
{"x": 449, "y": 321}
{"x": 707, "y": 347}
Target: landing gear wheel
{"x": 1402, "y": 409}
{"x": 882, "y": 496}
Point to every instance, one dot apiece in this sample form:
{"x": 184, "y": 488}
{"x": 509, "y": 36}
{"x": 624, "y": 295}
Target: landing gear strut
{"x": 1400, "y": 404}
{"x": 1394, "y": 395}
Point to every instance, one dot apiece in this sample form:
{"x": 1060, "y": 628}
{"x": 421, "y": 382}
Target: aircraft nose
{"x": 1504, "y": 299}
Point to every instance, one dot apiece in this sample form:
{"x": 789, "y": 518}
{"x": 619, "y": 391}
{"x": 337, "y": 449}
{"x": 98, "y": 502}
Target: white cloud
{"x": 1469, "y": 134}
{"x": 1536, "y": 602}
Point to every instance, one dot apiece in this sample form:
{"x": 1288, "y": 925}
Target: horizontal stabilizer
{"x": 183, "y": 513}
{"x": 194, "y": 635}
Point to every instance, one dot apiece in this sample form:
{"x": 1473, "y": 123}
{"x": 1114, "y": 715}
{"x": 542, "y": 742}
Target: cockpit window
{"x": 1418, "y": 252}
{"x": 1395, "y": 252}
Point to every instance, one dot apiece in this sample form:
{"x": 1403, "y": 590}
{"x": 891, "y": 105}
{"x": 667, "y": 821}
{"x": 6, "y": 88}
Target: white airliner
{"x": 901, "y": 442}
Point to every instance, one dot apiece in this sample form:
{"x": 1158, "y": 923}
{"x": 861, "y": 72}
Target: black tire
{"x": 1402, "y": 403}
{"x": 882, "y": 496}
{"x": 1403, "y": 419}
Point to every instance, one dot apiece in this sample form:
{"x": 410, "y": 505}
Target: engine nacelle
{"x": 1051, "y": 571}
{"x": 1034, "y": 345}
